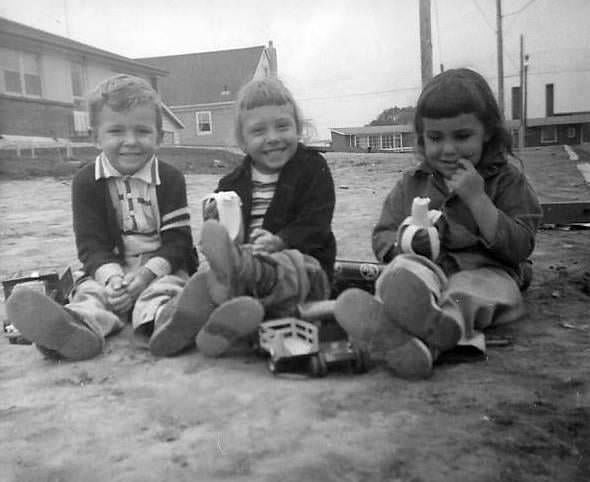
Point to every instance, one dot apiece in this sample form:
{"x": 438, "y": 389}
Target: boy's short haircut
{"x": 121, "y": 93}
{"x": 260, "y": 93}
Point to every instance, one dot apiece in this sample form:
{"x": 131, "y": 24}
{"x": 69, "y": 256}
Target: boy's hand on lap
{"x": 138, "y": 282}
{"x": 117, "y": 296}
{"x": 264, "y": 241}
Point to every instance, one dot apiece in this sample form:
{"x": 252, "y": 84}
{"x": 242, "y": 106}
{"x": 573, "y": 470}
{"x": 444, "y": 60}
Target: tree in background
{"x": 395, "y": 116}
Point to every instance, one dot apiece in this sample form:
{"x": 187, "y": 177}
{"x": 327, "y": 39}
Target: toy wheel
{"x": 272, "y": 365}
{"x": 361, "y": 361}
{"x": 317, "y": 365}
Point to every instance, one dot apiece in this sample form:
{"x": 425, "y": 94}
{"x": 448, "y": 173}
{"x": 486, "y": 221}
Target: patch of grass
{"x": 53, "y": 162}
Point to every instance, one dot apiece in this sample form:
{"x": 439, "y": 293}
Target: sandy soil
{"x": 523, "y": 414}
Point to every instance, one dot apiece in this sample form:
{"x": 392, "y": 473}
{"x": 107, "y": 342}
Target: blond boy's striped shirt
{"x": 263, "y": 190}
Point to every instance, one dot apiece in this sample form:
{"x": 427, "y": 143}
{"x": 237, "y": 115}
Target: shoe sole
{"x": 186, "y": 314}
{"x": 359, "y": 314}
{"x": 365, "y": 320}
{"x": 411, "y": 304}
{"x": 229, "y": 322}
{"x": 46, "y": 323}
{"x": 411, "y": 361}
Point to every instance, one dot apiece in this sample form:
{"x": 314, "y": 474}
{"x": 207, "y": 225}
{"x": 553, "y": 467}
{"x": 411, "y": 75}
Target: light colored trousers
{"x": 90, "y": 302}
{"x": 477, "y": 298}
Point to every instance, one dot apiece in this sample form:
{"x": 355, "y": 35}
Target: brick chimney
{"x": 271, "y": 52}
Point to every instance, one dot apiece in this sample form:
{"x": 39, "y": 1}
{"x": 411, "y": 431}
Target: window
{"x": 548, "y": 134}
{"x": 387, "y": 141}
{"x": 204, "y": 126}
{"x": 21, "y": 73}
{"x": 516, "y": 103}
{"x": 571, "y": 132}
{"x": 78, "y": 80}
{"x": 81, "y": 123}
{"x": 374, "y": 142}
{"x": 549, "y": 100}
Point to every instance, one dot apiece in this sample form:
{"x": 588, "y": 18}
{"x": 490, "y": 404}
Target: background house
{"x": 44, "y": 79}
{"x": 556, "y": 108}
{"x": 201, "y": 89}
{"x": 391, "y": 138}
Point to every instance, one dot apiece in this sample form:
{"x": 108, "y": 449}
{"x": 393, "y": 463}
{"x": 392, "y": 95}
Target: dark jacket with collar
{"x": 301, "y": 210}
{"x": 462, "y": 245}
{"x": 97, "y": 232}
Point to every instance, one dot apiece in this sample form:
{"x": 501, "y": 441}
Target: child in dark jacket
{"x": 287, "y": 203}
{"x": 459, "y": 270}
{"x": 132, "y": 232}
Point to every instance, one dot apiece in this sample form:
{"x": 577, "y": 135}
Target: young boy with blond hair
{"x": 132, "y": 232}
{"x": 287, "y": 203}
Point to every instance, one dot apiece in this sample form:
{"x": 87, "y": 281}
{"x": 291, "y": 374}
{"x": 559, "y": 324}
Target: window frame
{"x": 201, "y": 132}
{"x": 387, "y": 141}
{"x": 74, "y": 64}
{"x": 374, "y": 141}
{"x": 544, "y": 139}
{"x": 22, "y": 74}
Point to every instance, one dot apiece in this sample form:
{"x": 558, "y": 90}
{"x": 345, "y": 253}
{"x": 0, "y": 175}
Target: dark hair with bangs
{"x": 121, "y": 93}
{"x": 462, "y": 91}
{"x": 260, "y": 93}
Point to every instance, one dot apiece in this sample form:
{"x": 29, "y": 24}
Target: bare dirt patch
{"x": 523, "y": 414}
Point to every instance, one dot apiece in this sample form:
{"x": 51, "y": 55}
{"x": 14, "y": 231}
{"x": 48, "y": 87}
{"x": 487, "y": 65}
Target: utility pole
{"x": 500, "y": 53}
{"x": 522, "y": 130}
{"x": 425, "y": 41}
{"x": 526, "y": 93}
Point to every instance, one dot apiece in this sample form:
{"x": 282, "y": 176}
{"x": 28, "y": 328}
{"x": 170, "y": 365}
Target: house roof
{"x": 172, "y": 116}
{"x": 580, "y": 118}
{"x": 200, "y": 78}
{"x": 372, "y": 130}
{"x": 14, "y": 34}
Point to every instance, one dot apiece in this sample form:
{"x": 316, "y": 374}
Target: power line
{"x": 516, "y": 12}
{"x": 483, "y": 16}
{"x": 362, "y": 94}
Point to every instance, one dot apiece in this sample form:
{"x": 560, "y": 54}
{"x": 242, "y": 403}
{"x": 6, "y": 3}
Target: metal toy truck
{"x": 313, "y": 339}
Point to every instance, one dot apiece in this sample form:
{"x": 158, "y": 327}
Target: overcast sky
{"x": 344, "y": 60}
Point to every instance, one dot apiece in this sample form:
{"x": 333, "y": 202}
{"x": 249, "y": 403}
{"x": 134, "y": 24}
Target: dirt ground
{"x": 522, "y": 414}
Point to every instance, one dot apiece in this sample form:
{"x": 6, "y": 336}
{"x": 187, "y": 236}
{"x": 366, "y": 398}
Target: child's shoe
{"x": 360, "y": 314}
{"x": 229, "y": 322}
{"x": 234, "y": 270}
{"x": 409, "y": 288}
{"x": 224, "y": 261}
{"x": 364, "y": 318}
{"x": 53, "y": 328}
{"x": 412, "y": 360}
{"x": 182, "y": 317}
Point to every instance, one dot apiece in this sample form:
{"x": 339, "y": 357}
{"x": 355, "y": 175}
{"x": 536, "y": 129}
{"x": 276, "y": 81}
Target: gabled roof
{"x": 172, "y": 116}
{"x": 376, "y": 130}
{"x": 14, "y": 33}
{"x": 200, "y": 78}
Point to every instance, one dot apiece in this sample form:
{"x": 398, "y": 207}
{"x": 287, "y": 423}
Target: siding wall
{"x": 52, "y": 114}
{"x": 34, "y": 117}
{"x": 222, "y": 120}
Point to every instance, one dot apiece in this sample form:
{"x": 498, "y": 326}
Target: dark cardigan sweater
{"x": 301, "y": 210}
{"x": 97, "y": 232}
